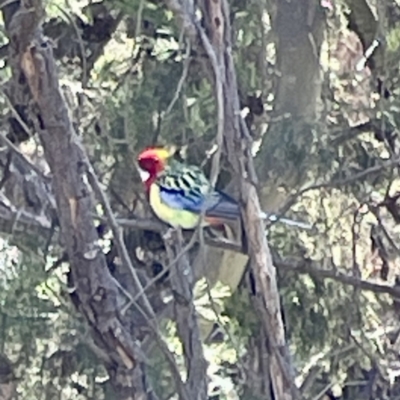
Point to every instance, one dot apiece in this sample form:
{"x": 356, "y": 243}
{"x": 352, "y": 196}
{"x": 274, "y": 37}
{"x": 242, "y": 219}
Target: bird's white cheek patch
{"x": 144, "y": 175}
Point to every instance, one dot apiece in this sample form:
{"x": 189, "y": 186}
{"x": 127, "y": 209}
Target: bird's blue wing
{"x": 179, "y": 199}
{"x": 187, "y": 188}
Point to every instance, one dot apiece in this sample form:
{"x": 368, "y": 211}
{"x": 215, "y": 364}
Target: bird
{"x": 181, "y": 195}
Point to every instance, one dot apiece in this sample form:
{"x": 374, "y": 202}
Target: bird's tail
{"x": 226, "y": 208}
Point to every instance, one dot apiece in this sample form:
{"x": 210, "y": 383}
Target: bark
{"x": 284, "y": 158}
{"x": 258, "y": 383}
{"x": 216, "y": 263}
{"x": 182, "y": 283}
{"x": 95, "y": 290}
{"x": 238, "y": 146}
{"x": 233, "y": 134}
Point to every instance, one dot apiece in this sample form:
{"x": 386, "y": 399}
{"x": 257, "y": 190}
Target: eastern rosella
{"x": 179, "y": 193}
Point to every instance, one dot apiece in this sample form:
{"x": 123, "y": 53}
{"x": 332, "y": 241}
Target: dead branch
{"x": 218, "y": 47}
{"x": 94, "y": 286}
{"x": 238, "y": 145}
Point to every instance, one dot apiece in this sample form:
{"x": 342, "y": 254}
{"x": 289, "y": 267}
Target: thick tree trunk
{"x": 35, "y": 76}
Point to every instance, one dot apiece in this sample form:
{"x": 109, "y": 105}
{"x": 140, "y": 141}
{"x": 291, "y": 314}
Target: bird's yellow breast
{"x": 172, "y": 216}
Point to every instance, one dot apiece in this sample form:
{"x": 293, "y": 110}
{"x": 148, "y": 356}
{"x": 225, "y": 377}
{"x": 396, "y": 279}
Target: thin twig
{"x": 219, "y": 91}
{"x": 23, "y": 158}
{"x": 139, "y": 20}
{"x": 155, "y": 330}
{"x": 166, "y": 269}
{"x": 16, "y": 115}
{"x": 80, "y": 42}
{"x": 182, "y": 80}
{"x": 308, "y": 267}
{"x": 117, "y": 233}
{"x": 337, "y": 183}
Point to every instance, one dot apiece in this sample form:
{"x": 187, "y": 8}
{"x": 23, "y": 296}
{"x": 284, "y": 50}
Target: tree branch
{"x": 238, "y": 145}
{"x": 182, "y": 283}
{"x": 311, "y": 268}
{"x": 94, "y": 286}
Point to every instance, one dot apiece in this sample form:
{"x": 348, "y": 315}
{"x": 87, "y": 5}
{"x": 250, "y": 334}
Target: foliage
{"x": 148, "y": 85}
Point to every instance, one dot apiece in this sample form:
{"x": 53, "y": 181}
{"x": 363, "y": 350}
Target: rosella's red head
{"x": 151, "y": 162}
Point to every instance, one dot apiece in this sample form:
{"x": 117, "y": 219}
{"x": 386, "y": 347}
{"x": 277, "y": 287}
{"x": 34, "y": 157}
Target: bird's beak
{"x": 144, "y": 175}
